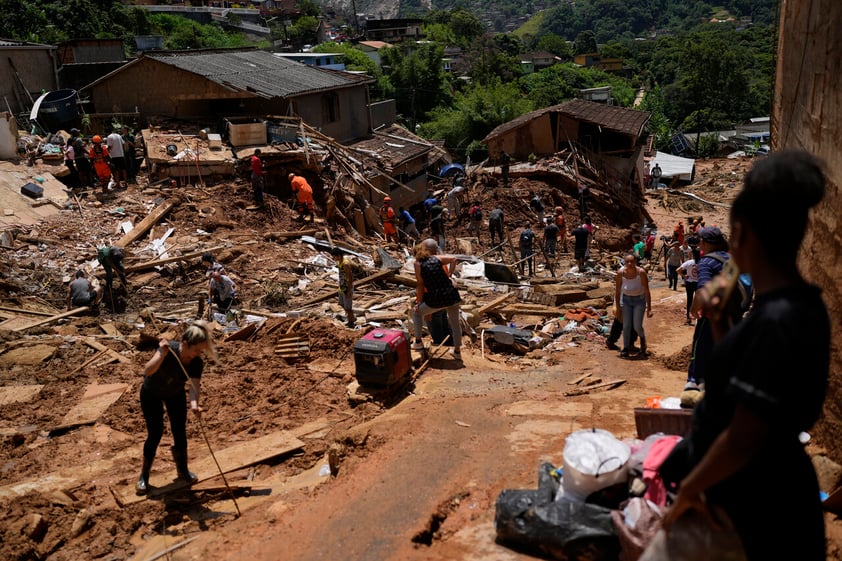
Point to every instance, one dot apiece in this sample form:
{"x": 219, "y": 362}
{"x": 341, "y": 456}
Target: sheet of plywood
{"x": 230, "y": 459}
{"x": 18, "y": 394}
{"x": 28, "y": 356}
{"x": 97, "y": 398}
{"x": 15, "y": 322}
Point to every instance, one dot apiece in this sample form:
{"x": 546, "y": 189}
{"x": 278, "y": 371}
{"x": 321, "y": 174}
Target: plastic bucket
{"x": 593, "y": 460}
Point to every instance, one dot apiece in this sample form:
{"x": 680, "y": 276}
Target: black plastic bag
{"x": 562, "y": 529}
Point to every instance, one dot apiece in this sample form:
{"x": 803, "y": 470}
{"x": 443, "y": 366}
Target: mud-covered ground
{"x": 63, "y": 491}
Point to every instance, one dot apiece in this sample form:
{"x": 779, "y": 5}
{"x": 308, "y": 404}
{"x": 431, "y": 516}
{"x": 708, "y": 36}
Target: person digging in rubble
{"x": 537, "y": 206}
{"x": 475, "y": 216}
{"x": 222, "y": 291}
{"x": 527, "y": 249}
{"x": 346, "y": 285}
{"x": 437, "y": 229}
{"x": 304, "y": 194}
{"x": 164, "y": 376}
{"x": 111, "y": 259}
{"x": 767, "y": 379}
{"x": 562, "y": 227}
{"x": 387, "y": 218}
{"x": 80, "y": 292}
{"x": 631, "y": 292}
{"x": 410, "y": 230}
{"x": 582, "y": 237}
{"x": 436, "y": 290}
{"x": 102, "y": 162}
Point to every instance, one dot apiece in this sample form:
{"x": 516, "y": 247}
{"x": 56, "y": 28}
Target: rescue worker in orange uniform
{"x": 387, "y": 217}
{"x": 678, "y": 233}
{"x": 102, "y": 162}
{"x": 305, "y": 196}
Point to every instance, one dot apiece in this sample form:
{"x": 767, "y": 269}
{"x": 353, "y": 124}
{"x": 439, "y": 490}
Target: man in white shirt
{"x": 114, "y": 142}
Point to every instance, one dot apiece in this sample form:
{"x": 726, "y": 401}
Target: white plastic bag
{"x": 593, "y": 460}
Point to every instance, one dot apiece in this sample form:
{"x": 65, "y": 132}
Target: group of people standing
{"x": 108, "y": 160}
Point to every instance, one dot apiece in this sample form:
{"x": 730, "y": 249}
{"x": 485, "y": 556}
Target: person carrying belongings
{"x": 102, "y": 162}
{"x": 111, "y": 259}
{"x": 304, "y": 195}
{"x": 80, "y": 292}
{"x": 172, "y": 365}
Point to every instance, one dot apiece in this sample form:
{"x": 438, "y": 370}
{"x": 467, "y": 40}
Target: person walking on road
{"x": 631, "y": 292}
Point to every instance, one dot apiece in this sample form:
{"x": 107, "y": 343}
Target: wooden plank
{"x": 230, "y": 459}
{"x": 531, "y": 310}
{"x": 51, "y": 319}
{"x": 157, "y": 262}
{"x": 97, "y": 398}
{"x": 18, "y": 394}
{"x": 589, "y": 389}
{"x": 15, "y": 322}
{"x": 144, "y": 225}
{"x": 94, "y": 344}
{"x": 25, "y": 311}
{"x": 493, "y": 304}
{"x": 245, "y": 332}
{"x": 371, "y": 278}
{"x": 272, "y": 236}
{"x": 110, "y": 329}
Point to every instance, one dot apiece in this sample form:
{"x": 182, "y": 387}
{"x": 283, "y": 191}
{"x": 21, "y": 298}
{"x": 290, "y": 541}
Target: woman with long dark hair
{"x": 766, "y": 378}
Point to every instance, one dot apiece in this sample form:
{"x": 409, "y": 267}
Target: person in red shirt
{"x": 305, "y": 196}
{"x": 387, "y": 217}
{"x": 257, "y": 177}
{"x": 562, "y": 227}
{"x": 649, "y": 245}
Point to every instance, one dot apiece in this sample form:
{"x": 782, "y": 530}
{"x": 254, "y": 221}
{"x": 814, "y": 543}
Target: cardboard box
{"x": 246, "y": 133}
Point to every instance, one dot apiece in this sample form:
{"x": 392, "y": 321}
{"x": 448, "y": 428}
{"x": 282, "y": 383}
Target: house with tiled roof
{"x": 208, "y": 84}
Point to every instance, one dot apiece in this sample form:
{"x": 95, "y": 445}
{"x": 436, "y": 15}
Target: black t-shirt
{"x": 774, "y": 363}
{"x": 495, "y": 215}
{"x": 551, "y": 231}
{"x": 582, "y": 235}
{"x": 437, "y": 225}
{"x": 526, "y": 238}
{"x": 169, "y": 379}
{"x": 536, "y": 204}
{"x": 440, "y": 291}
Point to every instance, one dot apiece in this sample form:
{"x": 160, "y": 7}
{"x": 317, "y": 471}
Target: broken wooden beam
{"x": 24, "y": 311}
{"x": 144, "y": 225}
{"x": 94, "y": 344}
{"x": 73, "y": 312}
{"x": 493, "y": 304}
{"x": 157, "y": 262}
{"x": 371, "y": 278}
{"x": 589, "y": 389}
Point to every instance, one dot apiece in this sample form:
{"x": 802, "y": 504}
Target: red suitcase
{"x": 382, "y": 357}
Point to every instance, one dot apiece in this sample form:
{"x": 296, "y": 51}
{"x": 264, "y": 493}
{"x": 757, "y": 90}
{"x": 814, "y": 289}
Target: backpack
{"x": 476, "y": 213}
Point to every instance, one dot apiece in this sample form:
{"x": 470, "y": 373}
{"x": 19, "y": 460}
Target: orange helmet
{"x": 97, "y": 139}
{"x": 387, "y": 199}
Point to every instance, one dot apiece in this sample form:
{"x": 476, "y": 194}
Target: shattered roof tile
{"x": 258, "y": 72}
{"x": 394, "y": 145}
{"x": 611, "y": 117}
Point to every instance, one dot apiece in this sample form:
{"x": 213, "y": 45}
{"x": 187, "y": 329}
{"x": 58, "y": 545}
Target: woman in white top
{"x": 632, "y": 292}
{"x": 690, "y": 273}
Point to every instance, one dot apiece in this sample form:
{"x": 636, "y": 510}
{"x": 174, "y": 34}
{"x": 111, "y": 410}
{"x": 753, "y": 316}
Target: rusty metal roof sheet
{"x": 258, "y": 72}
{"x": 393, "y": 145}
{"x": 611, "y": 117}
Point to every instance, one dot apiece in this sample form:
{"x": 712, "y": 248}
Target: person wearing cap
{"x": 102, "y": 162}
{"x": 714, "y": 253}
{"x": 346, "y": 285}
{"x": 387, "y": 218}
{"x": 304, "y": 194}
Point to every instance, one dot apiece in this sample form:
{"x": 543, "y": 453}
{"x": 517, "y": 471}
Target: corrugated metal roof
{"x": 611, "y": 117}
{"x": 258, "y": 72}
{"x": 394, "y": 145}
{"x": 16, "y": 43}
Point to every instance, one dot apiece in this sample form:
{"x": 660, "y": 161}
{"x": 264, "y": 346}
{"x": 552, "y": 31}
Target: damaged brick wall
{"x": 807, "y": 113}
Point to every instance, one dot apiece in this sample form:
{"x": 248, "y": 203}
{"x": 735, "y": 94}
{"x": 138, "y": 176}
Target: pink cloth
{"x": 658, "y": 452}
